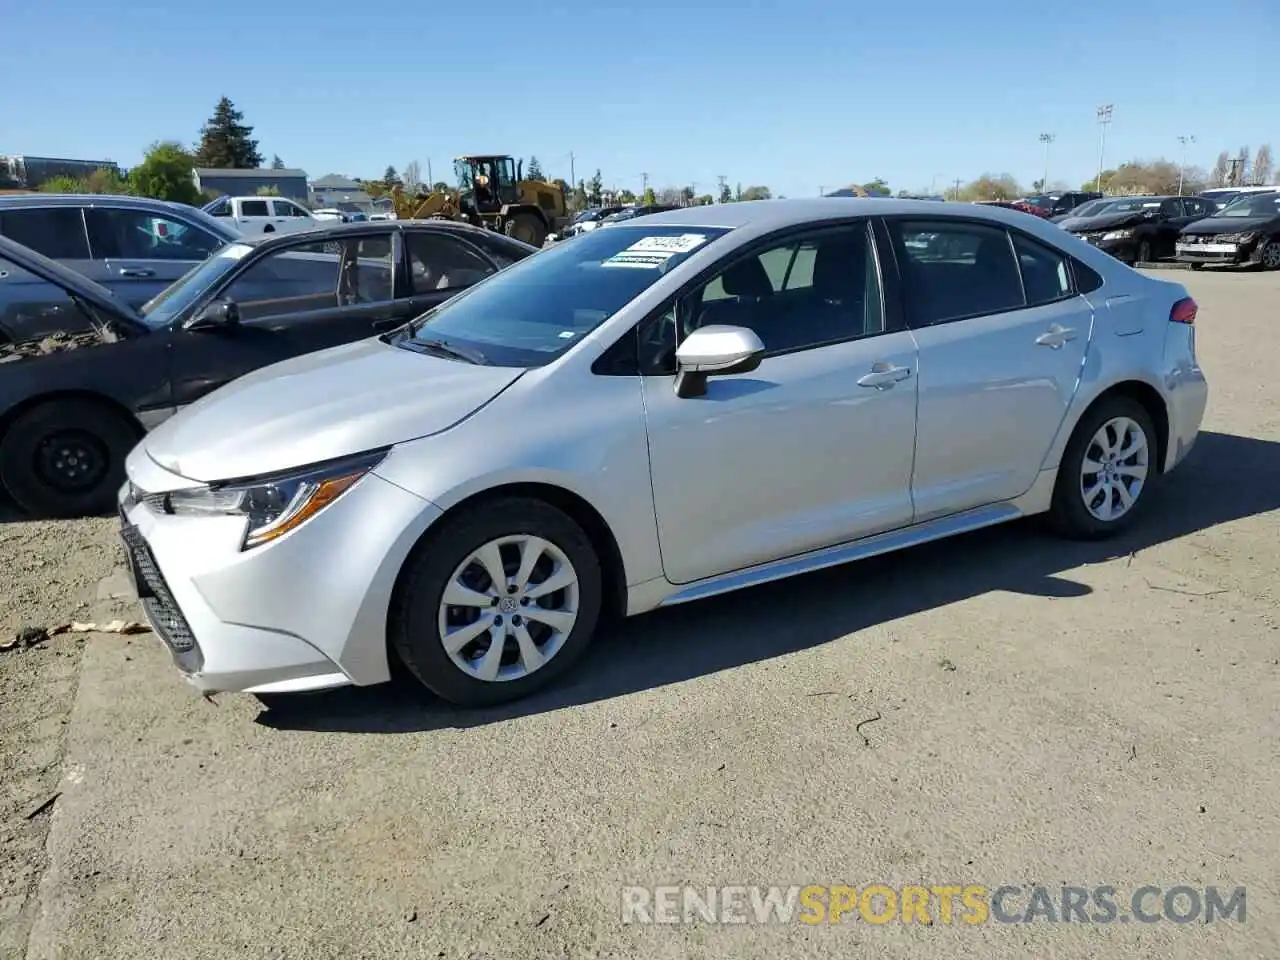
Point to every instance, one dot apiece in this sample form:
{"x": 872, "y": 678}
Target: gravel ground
{"x": 1000, "y": 708}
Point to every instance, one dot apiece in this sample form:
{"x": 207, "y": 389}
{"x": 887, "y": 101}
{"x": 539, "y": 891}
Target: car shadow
{"x": 681, "y": 643}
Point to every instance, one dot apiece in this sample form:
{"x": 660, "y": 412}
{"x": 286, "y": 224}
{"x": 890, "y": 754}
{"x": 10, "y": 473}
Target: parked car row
{"x": 89, "y": 367}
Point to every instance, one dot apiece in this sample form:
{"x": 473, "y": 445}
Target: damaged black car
{"x": 1139, "y": 229}
{"x": 73, "y": 404}
{"x": 1246, "y": 231}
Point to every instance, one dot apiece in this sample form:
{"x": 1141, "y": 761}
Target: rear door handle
{"x": 1056, "y": 336}
{"x": 883, "y": 376}
{"x": 136, "y": 272}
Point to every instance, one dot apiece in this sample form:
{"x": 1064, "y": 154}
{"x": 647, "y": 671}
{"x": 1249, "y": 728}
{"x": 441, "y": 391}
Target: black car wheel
{"x": 1269, "y": 256}
{"x": 65, "y": 458}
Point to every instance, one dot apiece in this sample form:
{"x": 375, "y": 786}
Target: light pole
{"x": 1184, "y": 140}
{"x": 1104, "y": 121}
{"x": 1046, "y": 139}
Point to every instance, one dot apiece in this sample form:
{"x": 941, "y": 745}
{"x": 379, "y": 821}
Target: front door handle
{"x": 1056, "y": 336}
{"x": 883, "y": 376}
{"x": 136, "y": 272}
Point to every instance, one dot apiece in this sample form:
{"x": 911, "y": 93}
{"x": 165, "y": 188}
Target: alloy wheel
{"x": 1114, "y": 471}
{"x": 1271, "y": 255}
{"x": 508, "y": 608}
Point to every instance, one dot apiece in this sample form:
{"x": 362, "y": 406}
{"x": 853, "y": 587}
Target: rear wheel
{"x": 1105, "y": 470}
{"x": 502, "y": 600}
{"x": 527, "y": 228}
{"x": 65, "y": 458}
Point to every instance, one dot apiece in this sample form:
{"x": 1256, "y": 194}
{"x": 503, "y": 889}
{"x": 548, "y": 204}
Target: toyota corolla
{"x": 686, "y": 404}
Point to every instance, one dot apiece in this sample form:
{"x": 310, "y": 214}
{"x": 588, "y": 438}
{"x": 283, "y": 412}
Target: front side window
{"x": 286, "y": 209}
{"x": 953, "y": 269}
{"x": 438, "y": 262}
{"x": 312, "y": 276}
{"x": 536, "y": 310}
{"x": 138, "y": 235}
{"x": 804, "y": 292}
{"x": 56, "y": 232}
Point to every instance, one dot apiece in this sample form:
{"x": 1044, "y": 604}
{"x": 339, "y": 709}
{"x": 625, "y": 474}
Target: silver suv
{"x": 134, "y": 246}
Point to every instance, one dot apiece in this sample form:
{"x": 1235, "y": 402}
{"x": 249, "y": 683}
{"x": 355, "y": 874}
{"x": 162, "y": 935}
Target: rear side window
{"x": 57, "y": 232}
{"x": 954, "y": 269}
{"x": 1046, "y": 276}
{"x": 438, "y": 262}
{"x": 254, "y": 208}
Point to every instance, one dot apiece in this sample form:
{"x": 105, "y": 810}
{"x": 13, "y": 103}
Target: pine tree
{"x": 534, "y": 170}
{"x": 225, "y": 142}
{"x": 390, "y": 177}
{"x": 277, "y": 163}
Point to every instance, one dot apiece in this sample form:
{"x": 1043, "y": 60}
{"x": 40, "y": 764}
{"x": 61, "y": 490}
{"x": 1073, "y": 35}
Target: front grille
{"x": 154, "y": 593}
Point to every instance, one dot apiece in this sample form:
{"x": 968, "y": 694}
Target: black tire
{"x": 1197, "y": 266}
{"x": 36, "y": 465}
{"x": 413, "y": 627}
{"x": 1068, "y": 514}
{"x": 527, "y": 228}
{"x": 1269, "y": 255}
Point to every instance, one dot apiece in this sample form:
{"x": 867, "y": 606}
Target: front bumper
{"x": 305, "y": 612}
{"x": 1229, "y": 254}
{"x": 1124, "y": 249}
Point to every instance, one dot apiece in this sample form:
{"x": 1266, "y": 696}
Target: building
{"x": 31, "y": 172}
{"x": 336, "y": 191}
{"x": 245, "y": 183}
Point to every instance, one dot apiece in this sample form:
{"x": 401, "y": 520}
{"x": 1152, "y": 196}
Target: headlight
{"x": 1236, "y": 237}
{"x": 274, "y": 505}
{"x": 1117, "y": 235}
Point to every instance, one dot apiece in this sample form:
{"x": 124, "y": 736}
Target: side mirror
{"x": 715, "y": 351}
{"x": 218, "y": 315}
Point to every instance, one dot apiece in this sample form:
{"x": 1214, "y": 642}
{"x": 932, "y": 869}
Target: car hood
{"x": 1106, "y": 222}
{"x": 321, "y": 406}
{"x": 1211, "y": 225}
{"x": 72, "y": 282}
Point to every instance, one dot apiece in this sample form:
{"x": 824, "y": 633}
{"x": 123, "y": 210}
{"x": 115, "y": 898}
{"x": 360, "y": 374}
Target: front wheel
{"x": 65, "y": 458}
{"x": 1105, "y": 470}
{"x": 501, "y": 601}
{"x": 1270, "y": 255}
{"x": 527, "y": 228}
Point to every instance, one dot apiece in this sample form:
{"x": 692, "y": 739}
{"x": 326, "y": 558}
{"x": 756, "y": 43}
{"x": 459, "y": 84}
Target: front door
{"x": 294, "y": 300}
{"x": 814, "y": 447}
{"x": 1002, "y": 339}
{"x": 144, "y": 252}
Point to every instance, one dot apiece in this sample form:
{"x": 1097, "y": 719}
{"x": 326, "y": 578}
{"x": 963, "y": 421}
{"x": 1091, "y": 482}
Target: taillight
{"x": 1184, "y": 311}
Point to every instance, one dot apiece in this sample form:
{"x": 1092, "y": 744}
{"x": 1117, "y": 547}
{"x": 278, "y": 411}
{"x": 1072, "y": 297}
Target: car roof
{"x": 90, "y": 200}
{"x": 778, "y": 214}
{"x": 333, "y": 230}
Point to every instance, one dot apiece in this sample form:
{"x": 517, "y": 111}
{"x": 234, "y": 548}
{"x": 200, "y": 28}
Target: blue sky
{"x": 794, "y": 95}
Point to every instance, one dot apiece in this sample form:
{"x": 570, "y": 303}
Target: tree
{"x": 1262, "y": 165}
{"x": 756, "y": 193}
{"x": 726, "y": 196}
{"x": 268, "y": 191}
{"x": 706, "y": 200}
{"x": 412, "y": 176}
{"x": 1242, "y": 168}
{"x": 106, "y": 180}
{"x": 877, "y": 187}
{"x": 225, "y": 142}
{"x": 626, "y": 196}
{"x": 276, "y": 162}
{"x": 63, "y": 183}
{"x": 439, "y": 186}
{"x": 1220, "y": 169}
{"x": 390, "y": 177}
{"x": 991, "y": 186}
{"x": 581, "y": 196}
{"x": 737, "y": 193}
{"x": 686, "y": 196}
{"x": 534, "y": 171}
{"x": 648, "y": 197}
{"x": 167, "y": 172}
{"x": 670, "y": 196}
{"x": 595, "y": 187}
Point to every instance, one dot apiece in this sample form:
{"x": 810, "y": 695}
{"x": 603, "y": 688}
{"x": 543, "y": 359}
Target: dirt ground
{"x": 1002, "y": 708}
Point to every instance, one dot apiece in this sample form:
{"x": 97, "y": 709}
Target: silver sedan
{"x": 686, "y": 404}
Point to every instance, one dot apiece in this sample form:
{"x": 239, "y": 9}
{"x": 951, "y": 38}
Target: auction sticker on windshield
{"x": 650, "y": 253}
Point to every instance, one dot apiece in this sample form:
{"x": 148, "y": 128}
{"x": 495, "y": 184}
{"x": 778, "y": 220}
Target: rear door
{"x": 440, "y": 266}
{"x": 296, "y": 299}
{"x": 254, "y": 215}
{"x": 1002, "y": 335}
{"x": 58, "y": 232}
{"x": 145, "y": 252}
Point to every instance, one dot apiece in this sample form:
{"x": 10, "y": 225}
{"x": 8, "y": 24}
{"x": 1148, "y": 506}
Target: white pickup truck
{"x": 256, "y": 215}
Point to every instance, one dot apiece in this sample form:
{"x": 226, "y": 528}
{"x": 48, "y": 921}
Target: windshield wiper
{"x": 442, "y": 348}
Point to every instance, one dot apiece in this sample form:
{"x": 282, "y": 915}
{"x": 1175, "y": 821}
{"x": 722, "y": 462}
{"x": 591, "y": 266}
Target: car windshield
{"x": 1043, "y": 201}
{"x": 1134, "y": 204}
{"x": 1258, "y": 205}
{"x": 1092, "y": 208}
{"x": 532, "y": 312}
{"x": 161, "y": 309}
